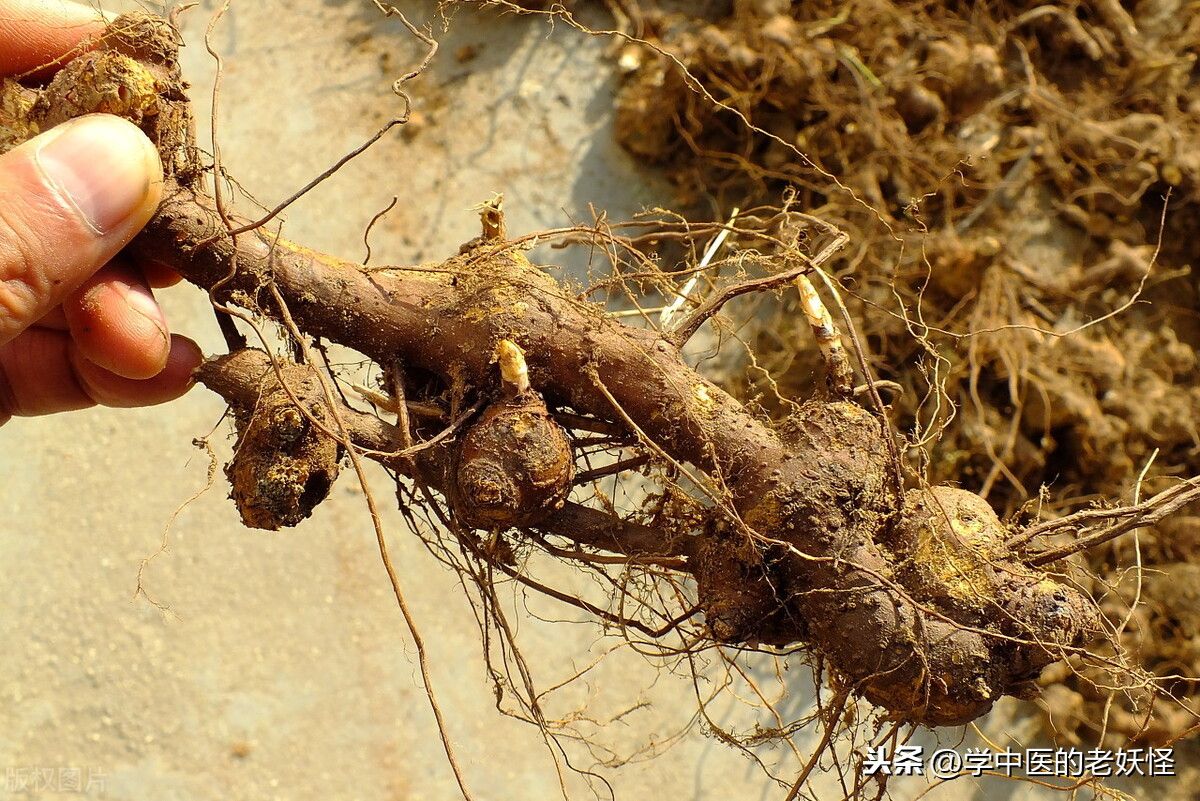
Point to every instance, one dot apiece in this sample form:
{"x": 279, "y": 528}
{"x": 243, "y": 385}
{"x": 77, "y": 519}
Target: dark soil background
{"x": 1003, "y": 170}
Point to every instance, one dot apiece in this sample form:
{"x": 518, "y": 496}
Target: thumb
{"x": 70, "y": 199}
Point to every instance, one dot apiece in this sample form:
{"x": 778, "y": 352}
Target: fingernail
{"x": 145, "y": 305}
{"x": 103, "y": 166}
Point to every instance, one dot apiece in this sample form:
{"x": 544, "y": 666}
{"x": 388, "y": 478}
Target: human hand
{"x": 79, "y": 325}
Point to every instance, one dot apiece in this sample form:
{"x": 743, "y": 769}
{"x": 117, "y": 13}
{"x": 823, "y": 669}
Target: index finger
{"x": 35, "y": 33}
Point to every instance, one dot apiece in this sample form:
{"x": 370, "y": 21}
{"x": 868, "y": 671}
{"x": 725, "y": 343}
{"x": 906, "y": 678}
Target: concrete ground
{"x": 283, "y": 670}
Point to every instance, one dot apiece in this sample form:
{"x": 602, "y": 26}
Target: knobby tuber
{"x": 912, "y": 598}
{"x": 514, "y": 465}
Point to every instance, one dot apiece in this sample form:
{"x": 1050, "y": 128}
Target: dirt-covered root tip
{"x": 916, "y": 602}
{"x": 978, "y": 624}
{"x": 283, "y": 465}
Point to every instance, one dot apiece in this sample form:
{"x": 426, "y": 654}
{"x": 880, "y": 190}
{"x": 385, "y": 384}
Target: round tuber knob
{"x": 515, "y": 464}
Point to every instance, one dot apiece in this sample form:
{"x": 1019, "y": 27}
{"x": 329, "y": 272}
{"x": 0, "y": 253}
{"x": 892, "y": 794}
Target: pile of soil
{"x": 1002, "y": 170}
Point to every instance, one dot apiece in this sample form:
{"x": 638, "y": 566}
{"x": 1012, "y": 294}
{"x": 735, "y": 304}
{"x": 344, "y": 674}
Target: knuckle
{"x": 20, "y": 305}
{"x": 23, "y": 245}
{"x": 22, "y": 283}
{"x": 38, "y": 243}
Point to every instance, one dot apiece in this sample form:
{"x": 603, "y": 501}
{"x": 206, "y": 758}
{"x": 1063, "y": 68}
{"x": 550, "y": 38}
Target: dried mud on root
{"x": 1002, "y": 170}
{"x": 806, "y": 538}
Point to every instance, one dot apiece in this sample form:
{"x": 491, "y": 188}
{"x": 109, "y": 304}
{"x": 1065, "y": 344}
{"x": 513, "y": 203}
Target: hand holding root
{"x": 78, "y": 324}
{"x": 914, "y": 599}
